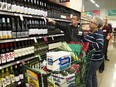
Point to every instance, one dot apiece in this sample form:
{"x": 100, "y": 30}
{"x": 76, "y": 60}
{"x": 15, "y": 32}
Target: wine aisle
{"x": 108, "y": 77}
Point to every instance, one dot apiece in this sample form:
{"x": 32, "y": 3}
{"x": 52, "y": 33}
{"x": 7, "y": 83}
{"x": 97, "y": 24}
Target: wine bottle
{"x": 4, "y": 83}
{"x": 14, "y": 7}
{"x": 26, "y": 28}
{"x": 16, "y": 73}
{"x": 18, "y": 28}
{"x": 11, "y": 52}
{"x": 4, "y": 5}
{"x": 12, "y": 77}
{"x": 16, "y": 51}
{"x": 0, "y": 78}
{"x": 25, "y": 6}
{"x": 7, "y": 77}
{"x": 7, "y": 54}
{"x": 1, "y": 37}
{"x": 14, "y": 34}
{"x": 21, "y": 71}
{"x": 23, "y": 29}
{"x": 18, "y": 6}
{"x": 19, "y": 50}
{"x": 3, "y": 57}
{"x": 9, "y": 32}
{"x": 4, "y": 26}
{"x": 9, "y": 6}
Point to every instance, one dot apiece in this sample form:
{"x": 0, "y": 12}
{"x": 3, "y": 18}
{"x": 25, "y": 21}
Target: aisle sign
{"x": 111, "y": 12}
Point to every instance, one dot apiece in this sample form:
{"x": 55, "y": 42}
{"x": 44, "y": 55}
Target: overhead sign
{"x": 89, "y": 13}
{"x": 96, "y": 12}
{"x": 62, "y": 1}
{"x": 111, "y": 12}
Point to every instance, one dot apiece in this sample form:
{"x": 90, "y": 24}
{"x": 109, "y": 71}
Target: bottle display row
{"x": 35, "y": 7}
{"x": 15, "y": 51}
{"x": 13, "y": 27}
{"x": 12, "y": 76}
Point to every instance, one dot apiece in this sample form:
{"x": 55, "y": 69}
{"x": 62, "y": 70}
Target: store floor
{"x": 108, "y": 77}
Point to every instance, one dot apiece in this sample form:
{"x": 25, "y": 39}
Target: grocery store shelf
{"x": 18, "y": 14}
{"x": 27, "y": 15}
{"x": 56, "y": 35}
{"x": 64, "y": 20}
{"x": 16, "y": 62}
{"x": 29, "y": 38}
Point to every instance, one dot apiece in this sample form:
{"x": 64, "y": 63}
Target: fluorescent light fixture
{"x": 97, "y": 5}
{"x": 92, "y": 1}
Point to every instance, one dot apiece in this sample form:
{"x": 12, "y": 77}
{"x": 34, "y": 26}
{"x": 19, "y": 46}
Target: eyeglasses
{"x": 92, "y": 22}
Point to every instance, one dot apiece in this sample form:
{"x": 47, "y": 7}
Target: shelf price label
{"x": 21, "y": 17}
{"x": 35, "y": 39}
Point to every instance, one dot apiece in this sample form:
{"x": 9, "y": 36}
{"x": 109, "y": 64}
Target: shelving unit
{"x": 19, "y": 20}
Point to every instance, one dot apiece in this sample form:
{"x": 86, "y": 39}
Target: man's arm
{"x": 61, "y": 26}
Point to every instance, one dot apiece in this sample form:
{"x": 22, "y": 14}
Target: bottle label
{"x": 4, "y": 83}
{"x": 16, "y": 53}
{"x": 9, "y": 7}
{"x": 17, "y": 78}
{"x": 1, "y": 35}
{"x": 8, "y": 80}
{"x": 5, "y": 36}
{"x": 0, "y": 83}
{"x": 8, "y": 57}
{"x": 21, "y": 76}
{"x": 19, "y": 52}
{"x": 12, "y": 56}
{"x": 14, "y": 34}
{"x": 3, "y": 58}
{"x": 12, "y": 77}
{"x": 14, "y": 8}
{"x": 18, "y": 34}
{"x": 4, "y": 6}
{"x": 9, "y": 33}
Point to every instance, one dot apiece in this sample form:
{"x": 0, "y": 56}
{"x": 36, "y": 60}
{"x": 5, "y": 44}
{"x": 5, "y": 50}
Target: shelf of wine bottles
{"x": 12, "y": 76}
{"x": 35, "y": 8}
{"x": 14, "y": 52}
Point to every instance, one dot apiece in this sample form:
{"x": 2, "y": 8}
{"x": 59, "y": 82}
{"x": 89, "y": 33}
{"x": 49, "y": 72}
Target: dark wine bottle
{"x": 4, "y": 26}
{"x": 7, "y": 54}
{"x": 13, "y": 20}
{"x": 1, "y": 29}
{"x": 18, "y": 28}
{"x": 9, "y": 28}
{"x": 3, "y": 57}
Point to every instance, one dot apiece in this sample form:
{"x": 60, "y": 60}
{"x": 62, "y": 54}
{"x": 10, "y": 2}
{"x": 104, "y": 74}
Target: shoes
{"x": 100, "y": 71}
{"x": 107, "y": 59}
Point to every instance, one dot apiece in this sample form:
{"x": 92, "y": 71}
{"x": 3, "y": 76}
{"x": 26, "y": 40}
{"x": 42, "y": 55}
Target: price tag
{"x": 18, "y": 62}
{"x": 19, "y": 83}
{"x": 45, "y": 19}
{"x": 21, "y": 17}
{"x": 35, "y": 39}
{"x": 52, "y": 37}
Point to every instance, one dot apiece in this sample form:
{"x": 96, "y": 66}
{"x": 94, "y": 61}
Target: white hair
{"x": 99, "y": 21}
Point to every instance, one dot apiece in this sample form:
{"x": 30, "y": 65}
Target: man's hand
{"x": 50, "y": 20}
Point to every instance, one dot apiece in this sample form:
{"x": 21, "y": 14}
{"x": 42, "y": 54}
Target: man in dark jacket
{"x": 72, "y": 31}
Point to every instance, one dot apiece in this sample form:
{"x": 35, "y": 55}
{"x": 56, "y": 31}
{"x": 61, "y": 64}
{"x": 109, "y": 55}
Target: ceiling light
{"x": 97, "y": 5}
{"x": 92, "y": 1}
